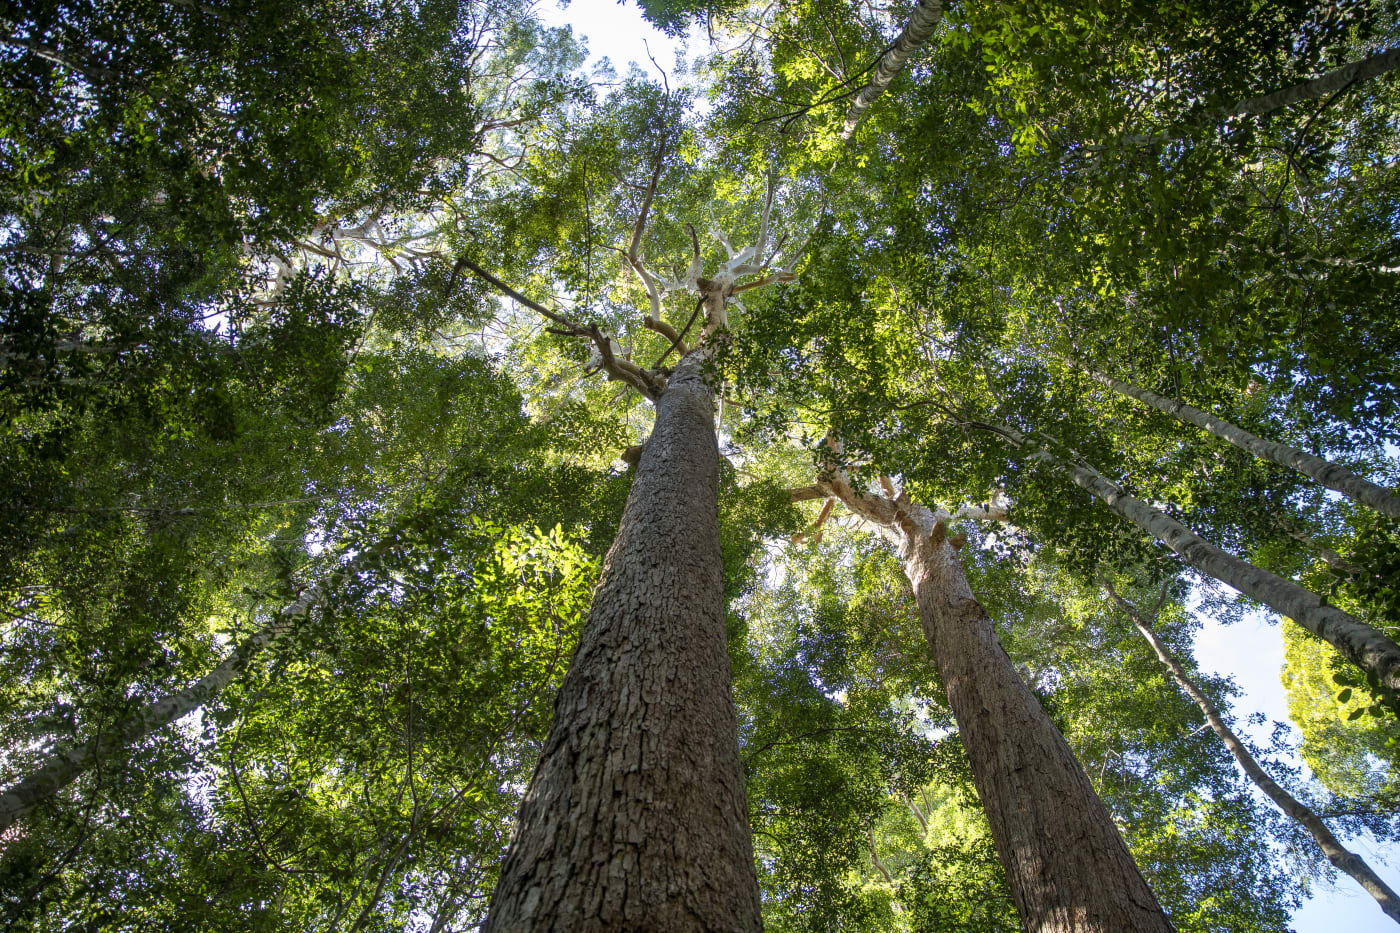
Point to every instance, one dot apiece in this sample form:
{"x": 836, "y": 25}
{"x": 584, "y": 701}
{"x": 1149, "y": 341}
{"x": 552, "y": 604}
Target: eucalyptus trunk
{"x": 921, "y": 25}
{"x": 1340, "y": 856}
{"x": 1363, "y": 645}
{"x": 635, "y": 818}
{"x": 1332, "y": 475}
{"x": 1068, "y": 867}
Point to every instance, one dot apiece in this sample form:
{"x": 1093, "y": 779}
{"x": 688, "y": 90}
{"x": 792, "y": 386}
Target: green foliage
{"x": 205, "y": 407}
{"x": 1354, "y": 755}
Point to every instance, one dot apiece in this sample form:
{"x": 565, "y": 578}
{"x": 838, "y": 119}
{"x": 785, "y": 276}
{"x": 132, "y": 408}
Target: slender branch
{"x": 617, "y": 368}
{"x": 1336, "y": 853}
{"x": 1365, "y": 646}
{"x": 1332, "y": 475}
{"x": 464, "y": 263}
{"x": 679, "y": 343}
{"x": 1324, "y": 86}
{"x": 667, "y": 331}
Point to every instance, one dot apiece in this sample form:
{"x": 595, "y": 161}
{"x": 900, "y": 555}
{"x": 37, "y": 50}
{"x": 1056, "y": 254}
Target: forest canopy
{"x": 451, "y": 486}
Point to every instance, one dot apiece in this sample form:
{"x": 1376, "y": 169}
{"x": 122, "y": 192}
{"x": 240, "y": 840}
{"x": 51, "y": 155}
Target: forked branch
{"x": 619, "y": 368}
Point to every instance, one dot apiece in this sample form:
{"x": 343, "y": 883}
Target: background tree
{"x": 214, "y": 381}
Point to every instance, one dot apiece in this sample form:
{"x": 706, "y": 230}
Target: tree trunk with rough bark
{"x": 1068, "y": 868}
{"x": 636, "y": 817}
{"x": 1332, "y": 475}
{"x": 1340, "y": 856}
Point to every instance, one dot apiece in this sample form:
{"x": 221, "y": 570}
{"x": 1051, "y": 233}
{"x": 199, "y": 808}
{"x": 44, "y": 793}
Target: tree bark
{"x": 1363, "y": 645}
{"x": 1068, "y": 868}
{"x": 635, "y": 818}
{"x": 922, "y": 22}
{"x": 65, "y": 767}
{"x": 1331, "y": 475}
{"x": 1341, "y": 857}
{"x": 1323, "y": 86}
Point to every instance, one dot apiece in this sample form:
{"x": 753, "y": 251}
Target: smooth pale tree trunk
{"x": 1341, "y": 857}
{"x": 1363, "y": 645}
{"x": 636, "y": 818}
{"x": 1319, "y": 88}
{"x": 1331, "y": 475}
{"x": 65, "y": 767}
{"x": 922, "y": 22}
{"x": 1372, "y": 66}
{"x": 1068, "y": 868}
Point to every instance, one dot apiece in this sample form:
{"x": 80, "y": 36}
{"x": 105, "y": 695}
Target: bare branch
{"x": 667, "y": 331}
{"x": 807, "y": 493}
{"x": 465, "y": 263}
{"x": 623, "y": 370}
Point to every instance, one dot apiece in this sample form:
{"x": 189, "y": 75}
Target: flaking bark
{"x": 1340, "y": 856}
{"x": 636, "y": 818}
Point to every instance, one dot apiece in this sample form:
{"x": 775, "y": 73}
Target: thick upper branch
{"x": 921, "y": 25}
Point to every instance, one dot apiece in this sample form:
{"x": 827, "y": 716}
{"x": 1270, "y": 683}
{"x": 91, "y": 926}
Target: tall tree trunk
{"x": 635, "y": 818}
{"x": 1331, "y": 475}
{"x": 65, "y": 767}
{"x": 1363, "y": 645}
{"x": 1068, "y": 868}
{"x": 1341, "y": 857}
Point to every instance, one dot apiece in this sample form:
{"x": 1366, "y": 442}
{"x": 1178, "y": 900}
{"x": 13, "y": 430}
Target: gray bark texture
{"x": 1329, "y": 474}
{"x": 65, "y": 767}
{"x": 1363, "y": 645}
{"x": 1068, "y": 868}
{"x": 922, "y": 22}
{"x": 1341, "y": 857}
{"x": 636, "y": 818}
{"x": 1321, "y": 87}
